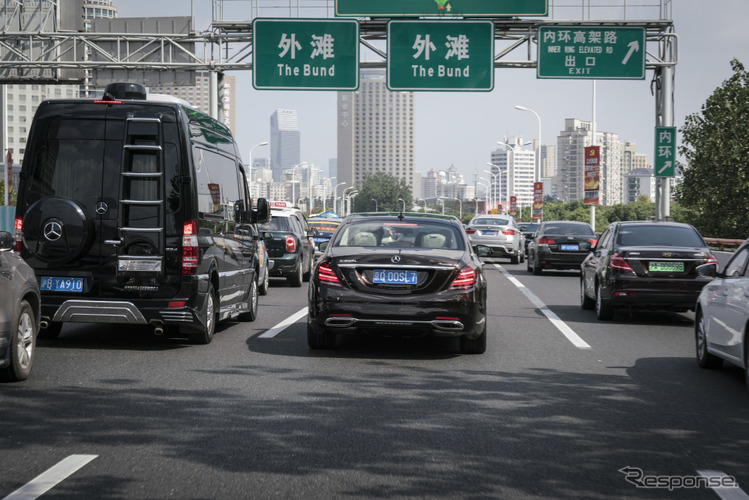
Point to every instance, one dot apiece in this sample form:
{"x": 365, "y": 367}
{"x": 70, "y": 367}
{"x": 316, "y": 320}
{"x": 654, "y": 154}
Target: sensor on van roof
{"x": 124, "y": 90}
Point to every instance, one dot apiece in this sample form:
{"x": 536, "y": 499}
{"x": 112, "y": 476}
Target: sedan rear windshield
{"x": 490, "y": 222}
{"x": 404, "y": 234}
{"x": 656, "y": 235}
{"x": 277, "y": 224}
{"x": 569, "y": 228}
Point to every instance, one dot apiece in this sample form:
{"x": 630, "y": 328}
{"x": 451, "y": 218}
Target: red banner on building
{"x": 592, "y": 184}
{"x": 514, "y": 206}
{"x": 538, "y": 200}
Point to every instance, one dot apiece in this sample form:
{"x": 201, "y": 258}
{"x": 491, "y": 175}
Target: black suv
{"x": 287, "y": 238}
{"x": 136, "y": 210}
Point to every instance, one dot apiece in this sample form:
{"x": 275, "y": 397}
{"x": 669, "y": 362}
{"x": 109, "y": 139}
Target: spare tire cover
{"x": 56, "y": 230}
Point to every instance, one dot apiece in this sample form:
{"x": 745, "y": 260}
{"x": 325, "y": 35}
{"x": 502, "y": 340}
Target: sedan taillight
{"x": 545, "y": 241}
{"x": 618, "y": 263}
{"x": 466, "y": 279}
{"x": 470, "y": 230}
{"x": 509, "y": 232}
{"x": 325, "y": 274}
{"x": 712, "y": 260}
{"x": 290, "y": 244}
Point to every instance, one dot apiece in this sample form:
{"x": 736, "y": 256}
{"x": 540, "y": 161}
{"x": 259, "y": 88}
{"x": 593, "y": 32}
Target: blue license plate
{"x": 488, "y": 233}
{"x": 394, "y": 277}
{"x": 569, "y": 247}
{"x": 320, "y": 240}
{"x": 60, "y": 284}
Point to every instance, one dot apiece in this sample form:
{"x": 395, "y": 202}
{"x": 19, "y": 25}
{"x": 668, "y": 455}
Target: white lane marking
{"x": 50, "y": 478}
{"x": 561, "y": 325}
{"x": 283, "y": 324}
{"x": 722, "y": 491}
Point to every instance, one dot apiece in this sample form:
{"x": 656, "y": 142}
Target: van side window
{"x": 218, "y": 185}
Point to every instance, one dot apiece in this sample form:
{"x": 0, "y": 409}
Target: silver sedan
{"x": 500, "y": 233}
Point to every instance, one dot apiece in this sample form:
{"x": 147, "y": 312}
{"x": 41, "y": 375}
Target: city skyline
{"x": 461, "y": 128}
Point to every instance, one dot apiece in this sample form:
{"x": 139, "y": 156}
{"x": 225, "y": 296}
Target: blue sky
{"x": 462, "y": 128}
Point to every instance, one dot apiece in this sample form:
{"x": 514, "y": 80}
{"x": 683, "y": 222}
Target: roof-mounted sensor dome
{"x": 123, "y": 90}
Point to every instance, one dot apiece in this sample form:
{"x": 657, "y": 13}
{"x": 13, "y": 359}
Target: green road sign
{"x": 665, "y": 151}
{"x": 593, "y": 53}
{"x": 305, "y": 54}
{"x": 440, "y": 55}
{"x": 450, "y": 8}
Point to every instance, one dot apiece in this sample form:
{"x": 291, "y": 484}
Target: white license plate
{"x": 570, "y": 247}
{"x": 59, "y": 284}
{"x": 394, "y": 277}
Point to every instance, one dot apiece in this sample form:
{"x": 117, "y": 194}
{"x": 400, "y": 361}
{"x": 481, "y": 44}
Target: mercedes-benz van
{"x": 134, "y": 209}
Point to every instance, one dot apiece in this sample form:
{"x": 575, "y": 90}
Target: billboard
{"x": 592, "y": 184}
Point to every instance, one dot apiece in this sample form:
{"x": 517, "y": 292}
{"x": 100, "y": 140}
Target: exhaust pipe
{"x": 44, "y": 324}
{"x": 447, "y": 325}
{"x": 340, "y": 321}
{"x": 158, "y": 331}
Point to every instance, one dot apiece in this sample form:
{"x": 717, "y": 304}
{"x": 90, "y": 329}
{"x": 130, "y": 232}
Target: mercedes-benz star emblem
{"x": 101, "y": 208}
{"x": 395, "y": 259}
{"x": 53, "y": 230}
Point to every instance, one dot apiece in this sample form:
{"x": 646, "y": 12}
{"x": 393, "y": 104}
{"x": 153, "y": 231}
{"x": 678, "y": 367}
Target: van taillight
{"x": 18, "y": 225}
{"x": 190, "y": 247}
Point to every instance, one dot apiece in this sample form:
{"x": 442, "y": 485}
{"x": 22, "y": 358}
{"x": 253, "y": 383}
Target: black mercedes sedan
{"x": 638, "y": 265}
{"x": 399, "y": 274}
{"x": 559, "y": 245}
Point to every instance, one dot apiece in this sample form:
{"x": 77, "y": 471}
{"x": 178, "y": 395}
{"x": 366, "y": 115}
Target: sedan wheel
{"x": 22, "y": 346}
{"x": 474, "y": 346}
{"x": 704, "y": 358}
{"x": 604, "y": 311}
{"x": 585, "y": 301}
{"x": 298, "y": 276}
{"x": 324, "y": 340}
{"x": 263, "y": 289}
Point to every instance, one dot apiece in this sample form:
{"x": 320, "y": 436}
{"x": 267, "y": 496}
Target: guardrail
{"x": 721, "y": 244}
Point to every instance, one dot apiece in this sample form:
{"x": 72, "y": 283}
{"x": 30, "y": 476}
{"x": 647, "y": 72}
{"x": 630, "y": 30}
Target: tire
{"x": 324, "y": 340}
{"x": 263, "y": 288}
{"x": 298, "y": 276}
{"x": 585, "y": 301}
{"x": 210, "y": 316}
{"x": 22, "y": 345}
{"x": 474, "y": 346}
{"x": 251, "y": 313}
{"x": 51, "y": 332}
{"x": 514, "y": 259}
{"x": 604, "y": 312}
{"x": 521, "y": 256}
{"x": 528, "y": 265}
{"x": 306, "y": 276}
{"x": 537, "y": 268}
{"x": 704, "y": 358}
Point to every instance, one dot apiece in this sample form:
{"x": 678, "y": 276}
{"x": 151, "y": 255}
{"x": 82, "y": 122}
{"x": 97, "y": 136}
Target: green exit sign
{"x": 593, "y": 53}
{"x": 440, "y": 55}
{"x": 305, "y": 54}
{"x": 665, "y": 151}
{"x": 449, "y": 8}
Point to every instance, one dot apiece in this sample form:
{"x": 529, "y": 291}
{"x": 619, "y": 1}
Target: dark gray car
{"x": 19, "y": 313}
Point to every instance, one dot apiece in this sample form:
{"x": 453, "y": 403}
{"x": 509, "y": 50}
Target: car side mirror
{"x": 262, "y": 214}
{"x": 6, "y": 241}
{"x": 323, "y": 245}
{"x": 707, "y": 270}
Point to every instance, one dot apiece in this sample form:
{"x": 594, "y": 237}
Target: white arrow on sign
{"x": 633, "y": 47}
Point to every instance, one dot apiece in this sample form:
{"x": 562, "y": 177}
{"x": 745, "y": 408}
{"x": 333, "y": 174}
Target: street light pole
{"x": 335, "y": 196}
{"x": 375, "y": 204}
{"x": 249, "y": 168}
{"x": 538, "y": 152}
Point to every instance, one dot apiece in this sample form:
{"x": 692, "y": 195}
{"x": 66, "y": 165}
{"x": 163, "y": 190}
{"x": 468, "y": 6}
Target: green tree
{"x": 386, "y": 190}
{"x": 715, "y": 144}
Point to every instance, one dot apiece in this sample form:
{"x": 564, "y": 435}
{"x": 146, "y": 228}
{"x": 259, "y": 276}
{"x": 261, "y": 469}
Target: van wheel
{"x": 298, "y": 276}
{"x": 263, "y": 289}
{"x": 22, "y": 345}
{"x": 210, "y": 314}
{"x": 51, "y": 332}
{"x": 251, "y": 313}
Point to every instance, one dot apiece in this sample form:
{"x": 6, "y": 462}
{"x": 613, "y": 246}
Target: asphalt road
{"x": 558, "y": 405}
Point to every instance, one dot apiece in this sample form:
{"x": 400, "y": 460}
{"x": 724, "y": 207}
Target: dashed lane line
{"x": 568, "y": 332}
{"x": 723, "y": 492}
{"x": 272, "y": 332}
{"x": 50, "y": 478}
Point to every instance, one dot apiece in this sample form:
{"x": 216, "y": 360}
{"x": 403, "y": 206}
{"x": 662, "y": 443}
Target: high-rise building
{"x": 571, "y": 143}
{"x": 375, "y": 132}
{"x": 285, "y": 142}
{"x": 516, "y": 168}
{"x": 199, "y": 96}
{"x": 638, "y": 182}
{"x": 94, "y": 9}
{"x": 548, "y": 161}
